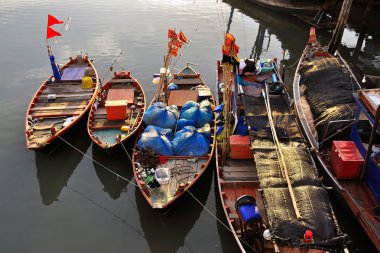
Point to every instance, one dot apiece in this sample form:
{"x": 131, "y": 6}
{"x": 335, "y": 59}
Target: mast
{"x": 162, "y": 86}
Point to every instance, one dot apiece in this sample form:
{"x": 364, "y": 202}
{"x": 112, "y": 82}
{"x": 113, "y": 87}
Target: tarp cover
{"x": 329, "y": 88}
{"x": 312, "y": 200}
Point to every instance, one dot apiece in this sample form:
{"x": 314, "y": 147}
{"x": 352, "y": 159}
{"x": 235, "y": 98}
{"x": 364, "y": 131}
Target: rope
{"x": 221, "y": 222}
{"x": 197, "y": 200}
{"x": 101, "y": 165}
{"x": 126, "y": 152}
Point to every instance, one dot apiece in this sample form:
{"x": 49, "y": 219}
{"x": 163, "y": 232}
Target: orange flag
{"x": 182, "y": 37}
{"x": 50, "y": 33}
{"x": 53, "y": 21}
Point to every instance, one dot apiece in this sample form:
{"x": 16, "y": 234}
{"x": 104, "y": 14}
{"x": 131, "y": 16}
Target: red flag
{"x": 53, "y": 21}
{"x": 50, "y": 33}
{"x": 182, "y": 37}
{"x": 171, "y": 33}
{"x": 175, "y": 51}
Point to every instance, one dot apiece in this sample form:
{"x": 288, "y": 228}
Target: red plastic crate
{"x": 116, "y": 110}
{"x": 240, "y": 147}
{"x": 346, "y": 160}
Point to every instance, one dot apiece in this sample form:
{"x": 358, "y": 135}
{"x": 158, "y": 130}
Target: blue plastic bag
{"x": 241, "y": 128}
{"x": 184, "y": 122}
{"x": 157, "y": 140}
{"x": 200, "y": 113}
{"x": 158, "y": 114}
{"x": 189, "y": 142}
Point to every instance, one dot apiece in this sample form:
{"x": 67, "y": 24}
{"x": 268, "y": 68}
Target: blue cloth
{"x": 219, "y": 108}
{"x": 241, "y": 128}
{"x": 54, "y": 67}
{"x": 73, "y": 73}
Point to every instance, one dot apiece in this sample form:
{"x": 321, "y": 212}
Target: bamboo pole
{"x": 226, "y": 112}
{"x": 280, "y": 154}
{"x": 341, "y": 24}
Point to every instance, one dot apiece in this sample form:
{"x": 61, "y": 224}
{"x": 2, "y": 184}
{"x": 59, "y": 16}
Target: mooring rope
{"x": 129, "y": 181}
{"x": 101, "y": 165}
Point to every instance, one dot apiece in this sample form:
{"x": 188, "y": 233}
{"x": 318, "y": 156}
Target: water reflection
{"x": 118, "y": 162}
{"x": 54, "y": 170}
{"x": 167, "y": 232}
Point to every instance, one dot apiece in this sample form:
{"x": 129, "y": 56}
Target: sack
{"x": 190, "y": 142}
{"x": 158, "y": 114}
{"x": 157, "y": 139}
{"x": 184, "y": 122}
{"x": 200, "y": 113}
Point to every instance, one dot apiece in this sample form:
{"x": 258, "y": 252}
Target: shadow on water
{"x": 283, "y": 26}
{"x": 118, "y": 162}
{"x": 166, "y": 232}
{"x": 55, "y": 169}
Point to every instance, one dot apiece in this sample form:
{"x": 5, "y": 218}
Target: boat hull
{"x": 110, "y": 134}
{"x": 58, "y": 106}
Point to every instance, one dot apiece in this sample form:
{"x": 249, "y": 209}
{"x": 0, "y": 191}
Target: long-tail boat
{"x": 116, "y": 114}
{"x": 269, "y": 187}
{"x": 337, "y": 127}
{"x": 61, "y": 101}
{"x": 181, "y": 172}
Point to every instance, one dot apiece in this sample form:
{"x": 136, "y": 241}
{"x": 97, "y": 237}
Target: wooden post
{"x": 370, "y": 144}
{"x": 341, "y": 24}
{"x": 363, "y": 30}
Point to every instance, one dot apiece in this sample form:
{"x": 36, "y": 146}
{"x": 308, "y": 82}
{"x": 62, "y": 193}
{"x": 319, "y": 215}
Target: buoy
{"x": 267, "y": 236}
{"x": 308, "y": 236}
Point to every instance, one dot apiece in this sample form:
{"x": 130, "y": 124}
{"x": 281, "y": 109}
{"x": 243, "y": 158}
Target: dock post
{"x": 363, "y": 30}
{"x": 341, "y": 24}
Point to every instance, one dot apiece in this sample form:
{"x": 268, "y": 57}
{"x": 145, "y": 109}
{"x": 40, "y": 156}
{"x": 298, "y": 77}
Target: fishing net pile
{"x": 311, "y": 198}
{"x": 328, "y": 90}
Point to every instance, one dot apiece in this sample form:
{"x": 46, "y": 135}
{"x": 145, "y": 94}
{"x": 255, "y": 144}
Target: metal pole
{"x": 370, "y": 144}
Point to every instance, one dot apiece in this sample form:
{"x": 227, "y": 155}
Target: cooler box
{"x": 240, "y": 147}
{"x": 116, "y": 109}
{"x": 346, "y": 160}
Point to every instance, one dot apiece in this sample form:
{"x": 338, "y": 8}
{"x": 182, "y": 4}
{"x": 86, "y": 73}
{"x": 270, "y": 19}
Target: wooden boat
{"x": 116, "y": 115}
{"x": 358, "y": 186}
{"x": 269, "y": 187}
{"x": 59, "y": 104}
{"x": 177, "y": 174}
{"x": 289, "y": 5}
{"x": 184, "y": 170}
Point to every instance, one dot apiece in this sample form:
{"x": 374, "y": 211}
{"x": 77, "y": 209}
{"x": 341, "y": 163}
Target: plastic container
{"x": 162, "y": 175}
{"x": 124, "y": 128}
{"x": 240, "y": 147}
{"x": 116, "y": 110}
{"x": 246, "y": 206}
{"x": 87, "y": 82}
{"x": 346, "y": 160}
